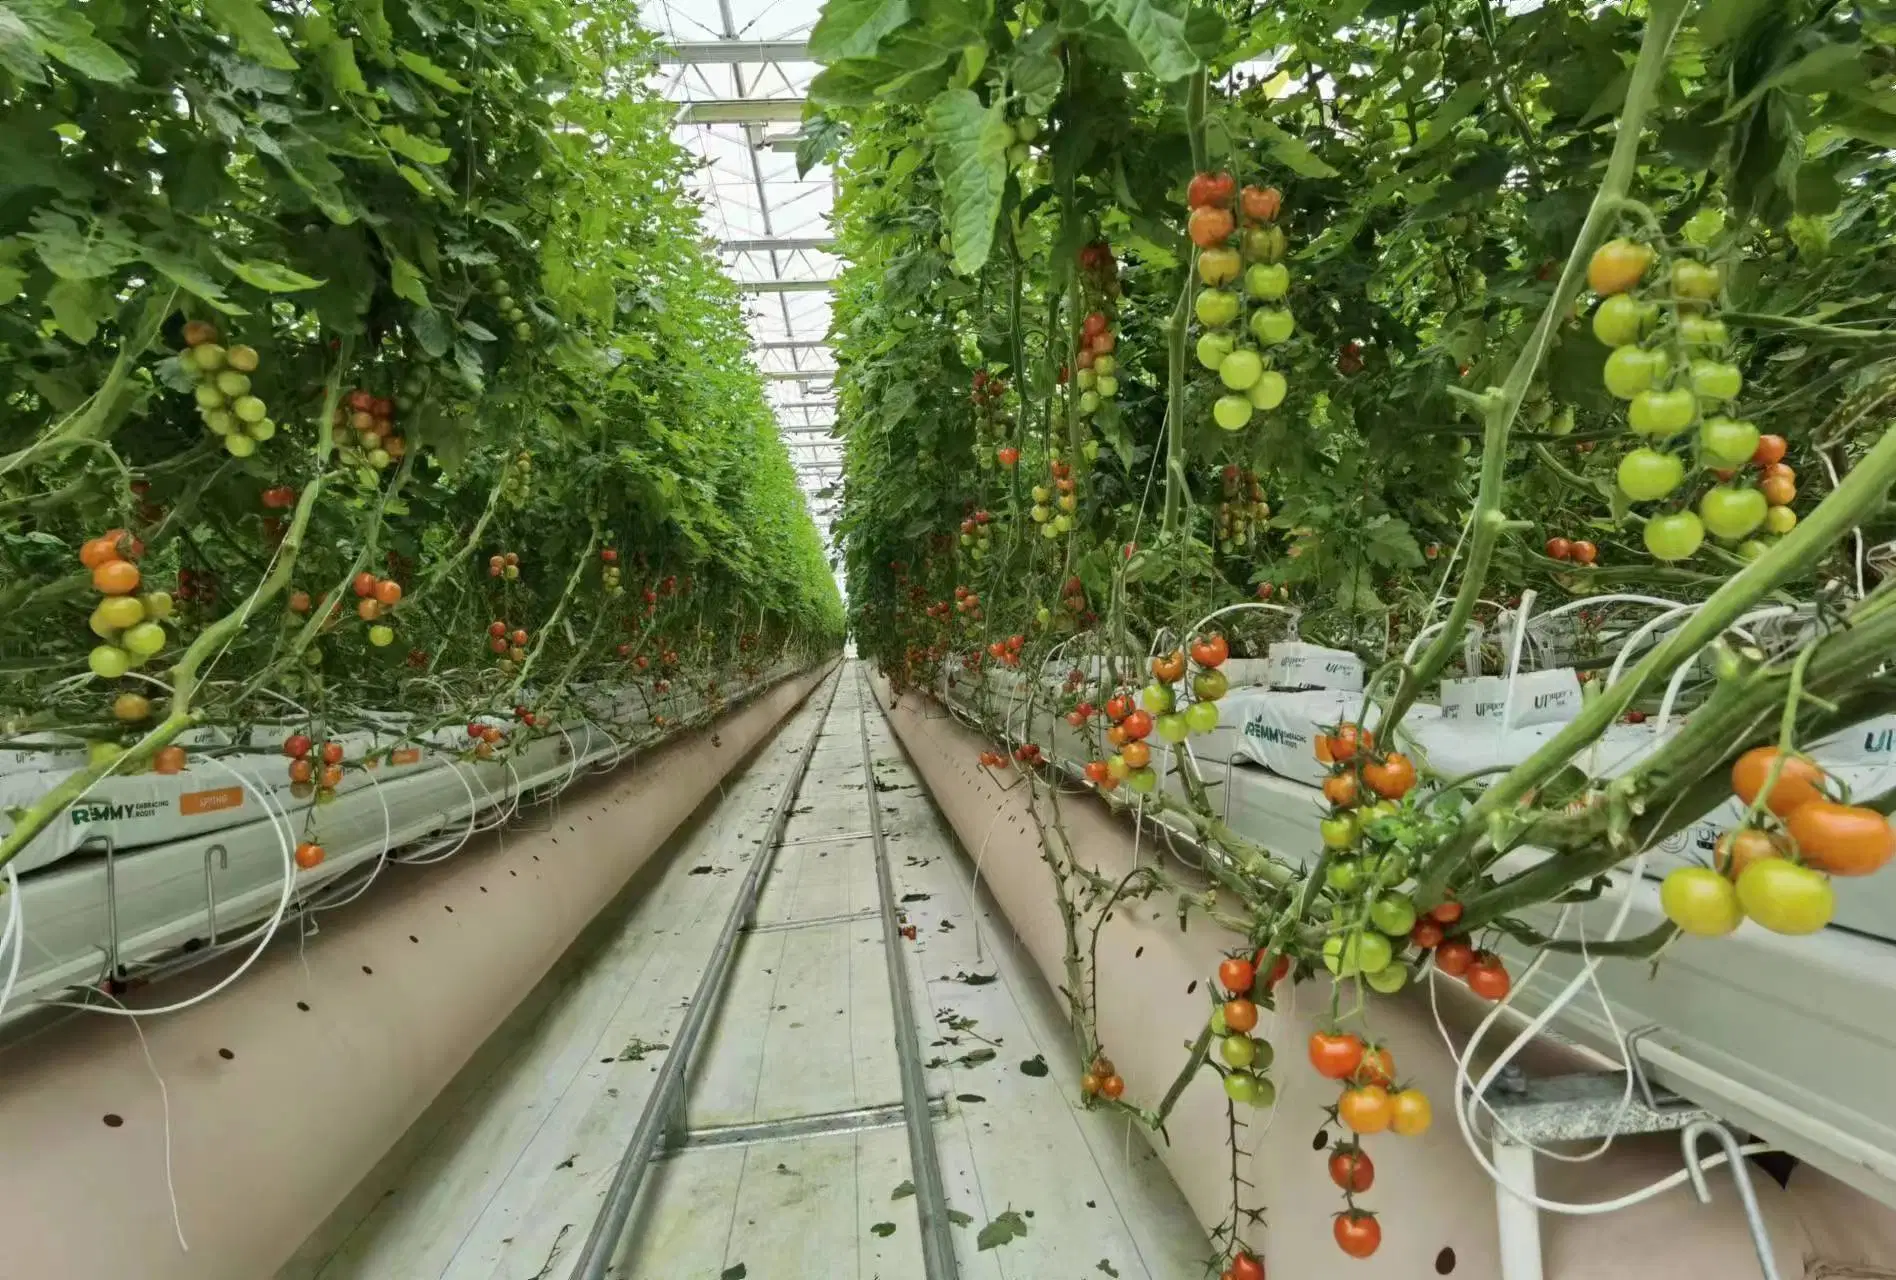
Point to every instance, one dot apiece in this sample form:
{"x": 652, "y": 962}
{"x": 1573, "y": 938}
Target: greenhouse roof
{"x": 739, "y": 70}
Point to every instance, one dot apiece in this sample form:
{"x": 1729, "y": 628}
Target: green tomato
{"x": 221, "y": 422}
{"x": 1704, "y": 226}
{"x": 1700, "y": 901}
{"x": 1268, "y": 391}
{"x": 1344, "y": 874}
{"x": 1780, "y": 520}
{"x": 1108, "y": 386}
{"x": 1674, "y": 537}
{"x": 1623, "y": 320}
{"x": 1631, "y": 370}
{"x": 1103, "y": 366}
{"x": 1716, "y": 380}
{"x": 1562, "y": 423}
{"x": 1156, "y": 698}
{"x": 1089, "y": 449}
{"x": 381, "y": 637}
{"x": 1389, "y": 979}
{"x": 1042, "y": 493}
{"x": 1393, "y": 913}
{"x": 1212, "y": 349}
{"x": 144, "y": 639}
{"x": 1049, "y": 531}
{"x": 1267, "y": 280}
{"x": 1174, "y": 728}
{"x": 1646, "y": 475}
{"x": 1247, "y": 1089}
{"x": 249, "y": 409}
{"x": 1365, "y": 952}
{"x": 1751, "y": 549}
{"x": 1231, "y": 412}
{"x": 1018, "y": 155}
{"x": 261, "y": 431}
{"x": 1702, "y": 331}
{"x": 1202, "y": 717}
{"x": 1785, "y": 897}
{"x": 1662, "y": 413}
{"x": 1026, "y": 129}
{"x": 208, "y": 397}
{"x": 1218, "y": 1027}
{"x": 1089, "y": 403}
{"x": 1142, "y": 781}
{"x": 1732, "y": 513}
{"x": 1086, "y": 380}
{"x": 1210, "y": 685}
{"x": 1216, "y": 308}
{"x": 1043, "y": 617}
{"x": 239, "y": 445}
{"x": 1238, "y": 1051}
{"x": 1272, "y": 325}
{"x": 1694, "y": 281}
{"x": 109, "y": 662}
{"x": 1725, "y": 444}
{"x": 1263, "y": 244}
{"x": 233, "y": 384}
{"x": 1241, "y": 369}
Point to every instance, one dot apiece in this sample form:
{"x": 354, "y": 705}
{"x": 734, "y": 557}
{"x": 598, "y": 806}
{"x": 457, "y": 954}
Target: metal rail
{"x": 931, "y": 1200}
{"x": 666, "y": 1103}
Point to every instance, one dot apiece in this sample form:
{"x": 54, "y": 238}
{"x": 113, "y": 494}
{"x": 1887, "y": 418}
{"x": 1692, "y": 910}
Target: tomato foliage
{"x": 296, "y": 293}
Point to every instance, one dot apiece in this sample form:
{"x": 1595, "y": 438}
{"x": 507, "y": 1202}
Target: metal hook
{"x": 1740, "y": 1174}
{"x": 210, "y": 885}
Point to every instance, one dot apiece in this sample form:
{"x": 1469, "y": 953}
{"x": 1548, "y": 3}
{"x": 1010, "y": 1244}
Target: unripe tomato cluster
{"x": 225, "y": 401}
{"x": 513, "y": 482}
{"x": 508, "y": 643}
{"x": 1244, "y": 1059}
{"x": 1055, "y": 505}
{"x": 1776, "y": 868}
{"x": 363, "y": 431}
{"x": 609, "y": 576}
{"x": 1097, "y": 376}
{"x": 975, "y": 534}
{"x": 130, "y": 625}
{"x": 1242, "y": 510}
{"x": 1020, "y": 151}
{"x": 1669, "y": 363}
{"x": 993, "y": 422}
{"x": 1225, "y": 254}
{"x": 313, "y": 769}
{"x": 510, "y": 310}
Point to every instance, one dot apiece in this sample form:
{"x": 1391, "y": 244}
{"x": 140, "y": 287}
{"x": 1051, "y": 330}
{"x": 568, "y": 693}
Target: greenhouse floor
{"x": 795, "y": 1161}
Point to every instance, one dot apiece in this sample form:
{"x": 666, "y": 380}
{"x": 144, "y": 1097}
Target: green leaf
{"x": 405, "y": 279}
{"x": 272, "y": 277}
{"x": 32, "y": 31}
{"x": 1828, "y": 68}
{"x": 78, "y": 306}
{"x": 420, "y": 150}
{"x": 1035, "y": 73}
{"x": 192, "y": 278}
{"x": 1010, "y": 1226}
{"x": 1035, "y": 1066}
{"x": 255, "y": 31}
{"x": 959, "y": 1218}
{"x": 76, "y": 254}
{"x": 903, "y": 1190}
{"x": 821, "y": 135}
{"x": 428, "y": 71}
{"x": 1292, "y": 153}
{"x": 971, "y": 144}
{"x": 738, "y": 1272}
{"x": 1155, "y": 29}
{"x": 339, "y": 63}
{"x": 417, "y": 179}
{"x": 431, "y": 331}
{"x": 1440, "y": 125}
{"x": 883, "y": 1229}
{"x": 854, "y": 28}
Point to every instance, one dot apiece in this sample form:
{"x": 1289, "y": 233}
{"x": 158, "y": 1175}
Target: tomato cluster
{"x": 1669, "y": 363}
{"x": 364, "y": 431}
{"x": 1248, "y": 381}
{"x": 1007, "y": 652}
{"x": 993, "y": 421}
{"x": 508, "y": 643}
{"x": 226, "y": 402}
{"x": 1102, "y": 1080}
{"x": 1054, "y": 505}
{"x": 1776, "y": 868}
{"x": 375, "y": 597}
{"x": 1242, "y": 511}
{"x": 500, "y": 292}
{"x": 1245, "y": 1059}
{"x": 488, "y": 736}
{"x": 130, "y": 625}
{"x": 609, "y": 575}
{"x": 975, "y": 534}
{"x": 504, "y": 564}
{"x": 514, "y": 481}
{"x": 321, "y": 775}
{"x": 1372, "y": 1102}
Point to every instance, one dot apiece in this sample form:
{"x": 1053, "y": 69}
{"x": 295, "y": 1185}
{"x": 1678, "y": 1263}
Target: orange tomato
{"x": 1778, "y": 469}
{"x": 1617, "y": 266}
{"x": 1136, "y": 754}
{"x": 1210, "y": 226}
{"x": 1111, "y": 1087}
{"x": 301, "y": 771}
{"x": 1169, "y": 666}
{"x": 388, "y": 591}
{"x": 1116, "y": 735}
{"x": 1378, "y": 1067}
{"x": 1770, "y": 449}
{"x": 1345, "y": 742}
{"x": 1240, "y": 1015}
{"x": 1843, "y": 839}
{"x": 98, "y": 551}
{"x": 1261, "y": 204}
{"x": 368, "y": 610}
{"x": 1322, "y": 748}
{"x": 169, "y": 760}
{"x": 1210, "y": 651}
{"x": 1779, "y": 491}
{"x": 1739, "y": 849}
{"x": 116, "y": 577}
{"x": 1340, "y": 789}
{"x": 1411, "y": 1113}
{"x": 308, "y": 854}
{"x": 1799, "y": 781}
{"x": 1365, "y": 1109}
{"x": 1392, "y": 777}
{"x": 364, "y": 584}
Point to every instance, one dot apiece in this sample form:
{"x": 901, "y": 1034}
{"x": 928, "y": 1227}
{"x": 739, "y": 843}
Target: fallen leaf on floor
{"x": 969, "y": 1097}
{"x": 1010, "y": 1226}
{"x": 568, "y": 1162}
{"x": 1107, "y": 1266}
{"x": 959, "y": 1218}
{"x": 737, "y": 1272}
{"x": 903, "y": 1190}
{"x": 883, "y": 1229}
{"x": 977, "y": 979}
{"x": 1035, "y": 1066}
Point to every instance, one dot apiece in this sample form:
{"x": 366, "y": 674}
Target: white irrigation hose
{"x": 473, "y": 809}
{"x": 284, "y": 846}
{"x": 381, "y": 859}
{"x": 14, "y": 936}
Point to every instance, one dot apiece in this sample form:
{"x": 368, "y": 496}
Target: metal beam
{"x": 779, "y": 244}
{"x": 785, "y": 286}
{"x": 726, "y": 52}
{"x": 806, "y": 404}
{"x": 799, "y": 375}
{"x": 742, "y": 111}
{"x": 809, "y": 344}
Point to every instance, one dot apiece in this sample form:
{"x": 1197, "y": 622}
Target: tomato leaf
{"x": 1440, "y": 125}
{"x": 1035, "y": 1066}
{"x": 959, "y": 1218}
{"x": 737, "y": 1272}
{"x": 428, "y": 71}
{"x": 1155, "y": 31}
{"x": 1293, "y": 153}
{"x": 971, "y": 144}
{"x": 1010, "y": 1226}
{"x": 254, "y": 30}
{"x": 883, "y": 1229}
{"x": 420, "y": 150}
{"x": 271, "y": 277}
{"x": 78, "y": 306}
{"x": 31, "y": 31}
{"x": 406, "y": 282}
{"x": 854, "y": 28}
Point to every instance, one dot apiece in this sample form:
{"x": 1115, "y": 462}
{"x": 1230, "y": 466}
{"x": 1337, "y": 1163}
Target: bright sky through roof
{"x": 770, "y": 224}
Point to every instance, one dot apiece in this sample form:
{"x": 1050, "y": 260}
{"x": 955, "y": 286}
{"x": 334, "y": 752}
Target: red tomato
{"x": 1447, "y": 912}
{"x": 296, "y": 746}
{"x": 1488, "y": 977}
{"x": 1426, "y": 934}
{"x": 1357, "y": 1233}
{"x": 365, "y": 584}
{"x": 1335, "y": 1057}
{"x": 1237, "y": 975}
{"x": 1240, "y": 1015}
{"x": 1391, "y": 777}
{"x": 332, "y": 753}
{"x": 1245, "y": 1267}
{"x": 1454, "y": 958}
{"x": 1138, "y": 725}
{"x": 1352, "y": 1170}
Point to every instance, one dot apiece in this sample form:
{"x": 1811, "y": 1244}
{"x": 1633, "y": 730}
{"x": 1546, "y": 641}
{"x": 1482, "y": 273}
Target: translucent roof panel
{"x": 739, "y": 71}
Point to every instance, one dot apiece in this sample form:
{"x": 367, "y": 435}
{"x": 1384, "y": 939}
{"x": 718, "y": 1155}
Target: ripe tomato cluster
{"x": 363, "y": 431}
{"x": 1007, "y": 652}
{"x": 1372, "y": 1102}
{"x": 488, "y": 736}
{"x": 1577, "y": 551}
{"x": 226, "y": 403}
{"x": 313, "y": 769}
{"x": 1248, "y": 382}
{"x": 1102, "y": 1080}
{"x": 1669, "y": 362}
{"x": 374, "y": 597}
{"x": 504, "y": 564}
{"x": 509, "y": 643}
{"x": 1776, "y": 868}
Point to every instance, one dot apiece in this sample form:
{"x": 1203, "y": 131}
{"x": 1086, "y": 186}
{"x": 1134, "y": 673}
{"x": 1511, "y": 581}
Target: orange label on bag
{"x": 192, "y": 802}
{"x": 405, "y": 755}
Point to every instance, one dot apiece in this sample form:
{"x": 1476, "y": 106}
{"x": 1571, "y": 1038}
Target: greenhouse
{"x": 947, "y": 639}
